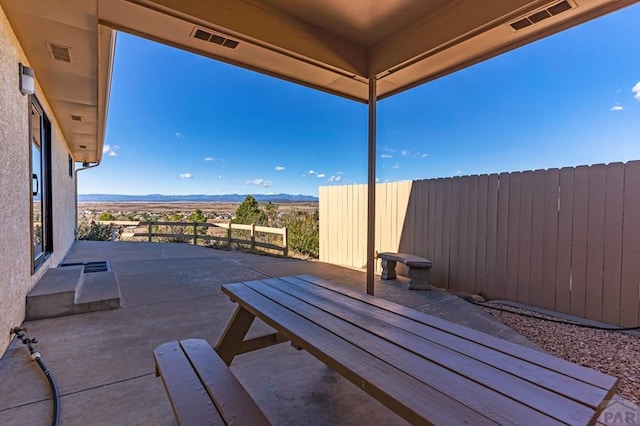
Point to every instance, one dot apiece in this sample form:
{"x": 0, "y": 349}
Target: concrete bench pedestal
{"x": 419, "y": 269}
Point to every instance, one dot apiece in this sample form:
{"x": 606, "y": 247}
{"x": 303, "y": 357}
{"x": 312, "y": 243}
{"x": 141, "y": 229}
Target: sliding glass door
{"x": 41, "y": 234}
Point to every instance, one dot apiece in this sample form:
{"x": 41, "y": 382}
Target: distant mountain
{"x": 198, "y": 198}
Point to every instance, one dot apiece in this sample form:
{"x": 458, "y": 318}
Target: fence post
{"x": 195, "y": 233}
{"x": 253, "y": 237}
{"x": 285, "y": 241}
{"x": 150, "y": 223}
{"x": 113, "y": 233}
{"x": 229, "y": 236}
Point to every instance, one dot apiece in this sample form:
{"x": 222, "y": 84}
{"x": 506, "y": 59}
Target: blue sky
{"x": 180, "y": 123}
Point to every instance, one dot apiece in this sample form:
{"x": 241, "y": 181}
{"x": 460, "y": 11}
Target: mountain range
{"x": 200, "y": 198}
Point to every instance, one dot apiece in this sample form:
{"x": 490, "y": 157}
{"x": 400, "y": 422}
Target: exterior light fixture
{"x": 27, "y": 80}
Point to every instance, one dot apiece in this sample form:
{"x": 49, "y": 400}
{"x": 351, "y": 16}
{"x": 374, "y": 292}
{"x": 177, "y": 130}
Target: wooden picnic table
{"x": 426, "y": 369}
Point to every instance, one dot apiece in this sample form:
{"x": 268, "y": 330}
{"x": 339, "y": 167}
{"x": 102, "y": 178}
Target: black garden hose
{"x": 19, "y": 332}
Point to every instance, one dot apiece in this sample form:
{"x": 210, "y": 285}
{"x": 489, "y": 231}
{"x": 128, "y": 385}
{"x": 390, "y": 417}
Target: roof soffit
{"x": 265, "y": 25}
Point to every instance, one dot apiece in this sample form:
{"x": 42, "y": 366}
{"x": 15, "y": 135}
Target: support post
{"x": 285, "y": 241}
{"x": 150, "y": 223}
{"x": 195, "y": 233}
{"x": 229, "y": 236}
{"x": 253, "y": 237}
{"x": 371, "y": 186}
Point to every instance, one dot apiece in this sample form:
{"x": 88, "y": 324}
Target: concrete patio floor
{"x": 103, "y": 362}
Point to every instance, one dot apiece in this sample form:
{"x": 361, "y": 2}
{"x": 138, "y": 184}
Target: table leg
{"x": 232, "y": 338}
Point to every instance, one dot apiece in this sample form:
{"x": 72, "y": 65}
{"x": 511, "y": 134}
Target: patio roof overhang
{"x": 363, "y": 50}
{"x": 331, "y": 45}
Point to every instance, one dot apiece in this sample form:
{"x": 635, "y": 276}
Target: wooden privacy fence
{"x": 227, "y": 240}
{"x": 563, "y": 239}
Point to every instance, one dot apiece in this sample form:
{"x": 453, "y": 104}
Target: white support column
{"x": 371, "y": 187}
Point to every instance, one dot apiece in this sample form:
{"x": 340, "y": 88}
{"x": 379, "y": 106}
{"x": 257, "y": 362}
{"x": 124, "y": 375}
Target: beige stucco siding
{"x": 16, "y": 275}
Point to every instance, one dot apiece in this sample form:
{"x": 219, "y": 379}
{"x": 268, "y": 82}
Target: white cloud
{"x": 340, "y": 173}
{"x": 208, "y": 159}
{"x": 636, "y": 91}
{"x": 259, "y": 182}
{"x": 320, "y": 175}
{"x": 186, "y": 176}
{"x": 110, "y": 150}
{"x": 178, "y": 135}
{"x": 335, "y": 178}
{"x": 279, "y": 168}
{"x": 395, "y": 166}
{"x": 616, "y": 108}
{"x": 405, "y": 153}
{"x": 220, "y": 177}
{"x": 424, "y": 155}
{"x": 386, "y": 156}
{"x": 311, "y": 172}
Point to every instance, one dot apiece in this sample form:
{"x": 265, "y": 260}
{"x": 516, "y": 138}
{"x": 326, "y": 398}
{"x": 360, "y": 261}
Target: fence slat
{"x": 550, "y": 239}
{"x": 524, "y": 236}
{"x": 446, "y": 231}
{"x": 481, "y": 234}
{"x": 463, "y": 236}
{"x": 472, "y": 232}
{"x": 537, "y": 238}
{"x": 429, "y": 250}
{"x": 579, "y": 243}
{"x": 503, "y": 236}
{"x": 492, "y": 236}
{"x": 629, "y": 292}
{"x": 514, "y": 234}
{"x": 454, "y": 223}
{"x": 613, "y": 243}
{"x": 565, "y": 238}
{"x": 595, "y": 241}
{"x": 437, "y": 275}
{"x": 421, "y": 240}
{"x": 420, "y": 218}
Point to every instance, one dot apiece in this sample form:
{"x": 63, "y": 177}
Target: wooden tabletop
{"x": 426, "y": 369}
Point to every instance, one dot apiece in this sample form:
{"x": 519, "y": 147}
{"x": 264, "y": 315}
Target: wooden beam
{"x": 260, "y": 342}
{"x": 371, "y": 187}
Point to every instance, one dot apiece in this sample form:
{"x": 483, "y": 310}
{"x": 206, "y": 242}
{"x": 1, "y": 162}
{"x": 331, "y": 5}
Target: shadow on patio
{"x": 103, "y": 361}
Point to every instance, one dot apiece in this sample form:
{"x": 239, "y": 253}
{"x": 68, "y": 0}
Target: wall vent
{"x": 211, "y": 37}
{"x": 76, "y": 117}
{"x": 59, "y": 52}
{"x": 550, "y": 10}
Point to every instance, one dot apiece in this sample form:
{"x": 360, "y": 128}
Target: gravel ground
{"x": 613, "y": 353}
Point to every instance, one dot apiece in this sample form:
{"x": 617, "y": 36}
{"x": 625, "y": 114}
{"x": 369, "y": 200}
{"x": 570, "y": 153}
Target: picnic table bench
{"x": 419, "y": 268}
{"x": 201, "y": 388}
{"x": 426, "y": 369}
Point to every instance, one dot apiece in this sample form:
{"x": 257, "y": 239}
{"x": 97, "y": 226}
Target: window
{"x": 41, "y": 232}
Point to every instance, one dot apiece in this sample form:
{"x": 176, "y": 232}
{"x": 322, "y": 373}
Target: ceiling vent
{"x": 206, "y": 35}
{"x": 59, "y": 52}
{"x": 76, "y": 117}
{"x": 550, "y": 10}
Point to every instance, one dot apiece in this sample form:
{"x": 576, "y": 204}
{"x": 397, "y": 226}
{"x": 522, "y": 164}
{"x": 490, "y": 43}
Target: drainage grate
{"x": 90, "y": 267}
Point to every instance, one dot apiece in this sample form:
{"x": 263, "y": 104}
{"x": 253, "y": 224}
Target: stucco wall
{"x": 16, "y": 275}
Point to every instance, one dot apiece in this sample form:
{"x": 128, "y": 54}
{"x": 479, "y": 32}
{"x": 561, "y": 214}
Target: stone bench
{"x": 419, "y": 268}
